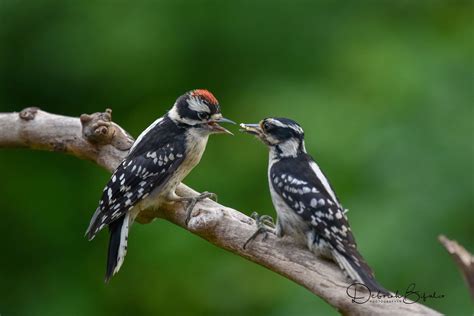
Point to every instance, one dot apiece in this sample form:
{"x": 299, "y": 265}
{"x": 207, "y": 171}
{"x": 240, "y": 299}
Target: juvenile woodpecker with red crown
{"x": 307, "y": 206}
{"x": 161, "y": 157}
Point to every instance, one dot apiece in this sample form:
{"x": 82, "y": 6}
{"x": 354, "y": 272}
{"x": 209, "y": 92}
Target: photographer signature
{"x": 360, "y": 294}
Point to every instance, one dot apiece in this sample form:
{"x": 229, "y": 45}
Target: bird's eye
{"x": 266, "y": 126}
{"x": 203, "y": 116}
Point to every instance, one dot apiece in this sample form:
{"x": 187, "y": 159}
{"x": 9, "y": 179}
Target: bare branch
{"x": 95, "y": 137}
{"x": 463, "y": 259}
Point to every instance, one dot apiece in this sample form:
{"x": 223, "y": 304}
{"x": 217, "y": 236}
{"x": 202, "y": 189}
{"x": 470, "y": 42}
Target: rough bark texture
{"x": 95, "y": 137}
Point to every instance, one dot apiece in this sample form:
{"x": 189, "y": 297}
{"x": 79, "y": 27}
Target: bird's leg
{"x": 192, "y": 201}
{"x": 265, "y": 225}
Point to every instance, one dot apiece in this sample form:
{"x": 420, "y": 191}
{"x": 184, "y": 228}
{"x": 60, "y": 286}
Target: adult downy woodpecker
{"x": 306, "y": 205}
{"x": 161, "y": 157}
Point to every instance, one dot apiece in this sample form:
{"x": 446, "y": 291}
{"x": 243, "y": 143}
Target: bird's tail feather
{"x": 359, "y": 271}
{"x": 117, "y": 246}
{"x": 92, "y": 229}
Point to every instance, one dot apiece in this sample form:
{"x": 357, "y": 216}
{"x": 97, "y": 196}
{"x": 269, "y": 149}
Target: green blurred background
{"x": 384, "y": 90}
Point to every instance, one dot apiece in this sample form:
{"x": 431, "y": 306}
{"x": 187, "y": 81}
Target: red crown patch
{"x": 205, "y": 95}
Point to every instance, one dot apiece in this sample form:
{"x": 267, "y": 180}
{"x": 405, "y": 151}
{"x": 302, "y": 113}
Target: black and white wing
{"x": 149, "y": 165}
{"x": 306, "y": 191}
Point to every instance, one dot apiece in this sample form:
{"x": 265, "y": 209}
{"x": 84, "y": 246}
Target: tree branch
{"x": 463, "y": 259}
{"x": 95, "y": 137}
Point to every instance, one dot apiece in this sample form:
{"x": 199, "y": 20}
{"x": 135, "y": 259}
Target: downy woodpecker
{"x": 306, "y": 205}
{"x": 161, "y": 157}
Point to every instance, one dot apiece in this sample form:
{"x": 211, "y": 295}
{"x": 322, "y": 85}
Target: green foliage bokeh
{"x": 383, "y": 89}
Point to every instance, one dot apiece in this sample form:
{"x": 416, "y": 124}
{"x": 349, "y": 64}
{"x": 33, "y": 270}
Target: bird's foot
{"x": 192, "y": 201}
{"x": 265, "y": 225}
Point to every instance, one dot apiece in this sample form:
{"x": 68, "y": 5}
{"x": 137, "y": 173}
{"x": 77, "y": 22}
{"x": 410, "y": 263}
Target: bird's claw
{"x": 194, "y": 200}
{"x": 209, "y": 195}
{"x": 263, "y": 220}
{"x": 263, "y": 223}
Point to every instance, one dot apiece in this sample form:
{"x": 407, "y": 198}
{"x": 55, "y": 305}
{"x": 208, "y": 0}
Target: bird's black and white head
{"x": 199, "y": 109}
{"x": 283, "y": 136}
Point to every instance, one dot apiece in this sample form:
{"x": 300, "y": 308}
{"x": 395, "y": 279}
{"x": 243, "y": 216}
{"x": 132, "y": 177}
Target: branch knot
{"x": 29, "y": 113}
{"x": 98, "y": 128}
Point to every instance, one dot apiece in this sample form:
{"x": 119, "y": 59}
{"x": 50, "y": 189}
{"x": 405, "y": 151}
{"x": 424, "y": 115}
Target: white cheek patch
{"x": 272, "y": 140}
{"x": 289, "y": 147}
{"x": 196, "y": 105}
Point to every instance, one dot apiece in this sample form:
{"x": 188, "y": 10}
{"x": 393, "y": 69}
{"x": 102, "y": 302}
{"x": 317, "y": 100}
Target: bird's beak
{"x": 253, "y": 129}
{"x": 216, "y": 128}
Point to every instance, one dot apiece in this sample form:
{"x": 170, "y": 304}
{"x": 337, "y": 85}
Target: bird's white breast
{"x": 195, "y": 147}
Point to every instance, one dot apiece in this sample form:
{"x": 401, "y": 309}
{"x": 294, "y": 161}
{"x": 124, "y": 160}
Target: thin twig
{"x": 463, "y": 259}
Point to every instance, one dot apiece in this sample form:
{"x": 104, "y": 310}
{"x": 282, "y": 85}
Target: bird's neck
{"x": 290, "y": 148}
{"x": 196, "y": 144}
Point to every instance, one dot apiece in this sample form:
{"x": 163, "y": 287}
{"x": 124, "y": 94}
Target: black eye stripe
{"x": 280, "y": 132}
{"x": 203, "y": 115}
